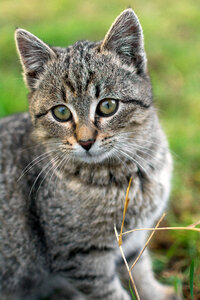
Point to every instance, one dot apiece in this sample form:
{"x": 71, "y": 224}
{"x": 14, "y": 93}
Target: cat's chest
{"x": 78, "y": 205}
{"x": 83, "y": 212}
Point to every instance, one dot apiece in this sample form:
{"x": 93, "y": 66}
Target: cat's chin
{"x": 91, "y": 158}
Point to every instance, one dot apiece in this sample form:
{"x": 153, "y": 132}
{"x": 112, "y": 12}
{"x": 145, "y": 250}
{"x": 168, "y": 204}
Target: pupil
{"x": 62, "y": 110}
{"x": 107, "y": 105}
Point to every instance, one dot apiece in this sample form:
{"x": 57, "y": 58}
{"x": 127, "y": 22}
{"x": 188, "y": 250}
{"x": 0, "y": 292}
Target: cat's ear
{"x": 34, "y": 54}
{"x": 125, "y": 38}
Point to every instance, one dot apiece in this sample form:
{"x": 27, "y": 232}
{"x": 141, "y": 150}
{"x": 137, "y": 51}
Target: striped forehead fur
{"x": 78, "y": 68}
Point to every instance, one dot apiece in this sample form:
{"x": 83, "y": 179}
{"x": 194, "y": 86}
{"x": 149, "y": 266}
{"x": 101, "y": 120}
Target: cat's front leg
{"x": 97, "y": 279}
{"x": 54, "y": 287}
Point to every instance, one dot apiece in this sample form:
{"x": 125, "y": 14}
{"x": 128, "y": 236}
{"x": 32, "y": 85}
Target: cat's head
{"x": 89, "y": 98}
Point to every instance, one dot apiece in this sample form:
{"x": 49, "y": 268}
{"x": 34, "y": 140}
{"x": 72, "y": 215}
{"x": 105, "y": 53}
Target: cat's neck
{"x": 100, "y": 174}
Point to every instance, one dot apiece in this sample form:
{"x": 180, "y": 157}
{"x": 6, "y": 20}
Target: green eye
{"x": 107, "y": 107}
{"x": 61, "y": 113}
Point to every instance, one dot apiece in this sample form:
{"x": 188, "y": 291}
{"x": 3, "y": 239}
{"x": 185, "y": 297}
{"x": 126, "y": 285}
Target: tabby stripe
{"x": 89, "y": 80}
{"x": 142, "y": 178}
{"x": 41, "y": 115}
{"x": 88, "y": 290}
{"x": 67, "y": 269}
{"x": 69, "y": 84}
{"x": 132, "y": 255}
{"x": 102, "y": 277}
{"x": 84, "y": 279}
{"x": 87, "y": 251}
{"x": 63, "y": 93}
{"x": 105, "y": 295}
{"x": 137, "y": 102}
{"x": 129, "y": 257}
{"x": 97, "y": 91}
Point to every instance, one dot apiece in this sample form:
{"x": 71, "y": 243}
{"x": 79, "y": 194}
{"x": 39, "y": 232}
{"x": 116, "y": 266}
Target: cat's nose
{"x": 87, "y": 144}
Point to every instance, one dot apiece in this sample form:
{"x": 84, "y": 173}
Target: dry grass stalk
{"x": 127, "y": 266}
{"x": 195, "y": 224}
{"x": 191, "y": 227}
{"x": 119, "y": 239}
{"x": 125, "y": 210}
{"x": 147, "y": 242}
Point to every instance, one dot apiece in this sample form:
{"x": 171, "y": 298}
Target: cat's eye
{"x": 107, "y": 107}
{"x": 61, "y": 113}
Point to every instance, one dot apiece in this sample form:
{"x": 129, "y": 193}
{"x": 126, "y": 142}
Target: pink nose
{"x": 86, "y": 144}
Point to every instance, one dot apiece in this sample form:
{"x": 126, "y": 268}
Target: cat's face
{"x": 89, "y": 98}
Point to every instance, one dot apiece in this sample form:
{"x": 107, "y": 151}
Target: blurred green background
{"x": 172, "y": 40}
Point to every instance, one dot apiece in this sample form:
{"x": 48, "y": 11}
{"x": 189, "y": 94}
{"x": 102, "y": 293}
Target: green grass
{"x": 192, "y": 280}
{"x": 172, "y": 41}
{"x": 131, "y": 291}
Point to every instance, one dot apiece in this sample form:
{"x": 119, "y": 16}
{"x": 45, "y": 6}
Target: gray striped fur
{"x": 59, "y": 202}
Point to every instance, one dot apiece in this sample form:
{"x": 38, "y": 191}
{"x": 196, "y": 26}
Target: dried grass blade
{"x": 147, "y": 242}
{"x": 125, "y": 210}
{"x": 163, "y": 228}
{"x": 127, "y": 266}
{"x": 194, "y": 225}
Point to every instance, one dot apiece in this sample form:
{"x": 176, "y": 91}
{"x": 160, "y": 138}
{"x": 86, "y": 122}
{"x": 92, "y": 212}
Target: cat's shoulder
{"x": 15, "y": 126}
{"x": 16, "y": 120}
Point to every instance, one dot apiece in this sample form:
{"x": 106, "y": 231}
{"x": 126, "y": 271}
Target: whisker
{"x": 140, "y": 140}
{"x": 154, "y": 158}
{"x": 139, "y": 148}
{"x": 36, "y": 161}
{"x": 40, "y": 145}
{"x": 62, "y": 169}
{"x": 43, "y": 169}
{"x": 139, "y": 156}
{"x": 54, "y": 172}
{"x": 119, "y": 158}
{"x": 54, "y": 162}
{"x": 128, "y": 140}
{"x": 132, "y": 159}
{"x": 136, "y": 139}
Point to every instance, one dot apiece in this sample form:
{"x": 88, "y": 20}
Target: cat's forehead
{"x": 85, "y": 57}
{"x": 82, "y": 74}
{"x": 83, "y": 65}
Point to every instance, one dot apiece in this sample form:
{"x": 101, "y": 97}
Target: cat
{"x": 65, "y": 167}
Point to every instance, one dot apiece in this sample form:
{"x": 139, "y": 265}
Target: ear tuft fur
{"x": 33, "y": 54}
{"x": 125, "y": 38}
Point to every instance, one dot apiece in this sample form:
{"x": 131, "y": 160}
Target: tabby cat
{"x": 65, "y": 167}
